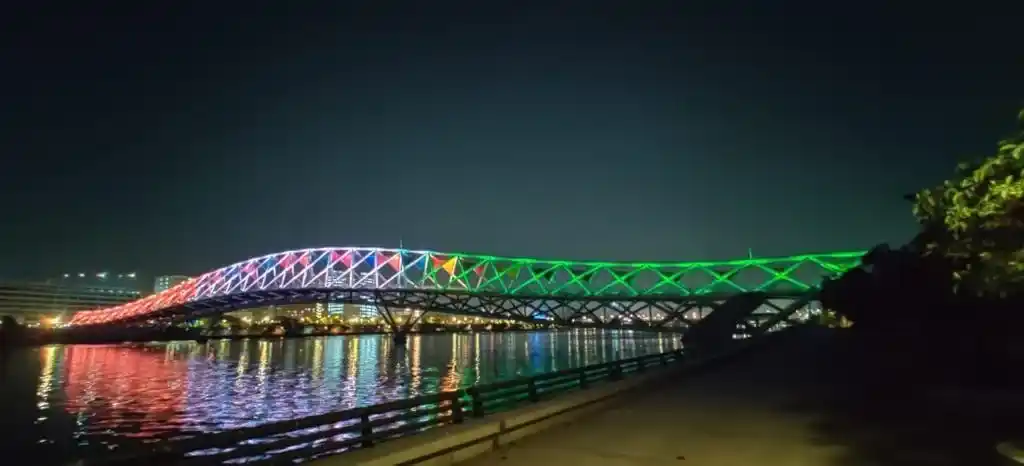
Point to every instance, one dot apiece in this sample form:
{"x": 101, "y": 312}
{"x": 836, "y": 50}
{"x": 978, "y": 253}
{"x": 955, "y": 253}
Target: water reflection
{"x": 130, "y": 392}
{"x": 49, "y": 360}
{"x": 86, "y": 395}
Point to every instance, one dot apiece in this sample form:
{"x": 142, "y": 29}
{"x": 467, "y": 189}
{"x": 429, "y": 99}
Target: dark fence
{"x": 311, "y": 437}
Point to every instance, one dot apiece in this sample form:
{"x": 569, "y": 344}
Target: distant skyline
{"x": 173, "y": 139}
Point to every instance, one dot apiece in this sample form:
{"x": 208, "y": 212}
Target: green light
{"x": 539, "y": 277}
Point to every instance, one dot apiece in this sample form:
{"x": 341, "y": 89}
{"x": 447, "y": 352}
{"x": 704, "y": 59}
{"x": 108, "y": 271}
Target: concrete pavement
{"x": 766, "y": 409}
{"x": 732, "y": 417}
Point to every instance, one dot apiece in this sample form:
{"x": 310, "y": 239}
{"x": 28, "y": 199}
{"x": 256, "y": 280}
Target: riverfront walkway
{"x": 784, "y": 405}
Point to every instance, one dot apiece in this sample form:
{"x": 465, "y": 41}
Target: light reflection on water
{"x": 89, "y": 395}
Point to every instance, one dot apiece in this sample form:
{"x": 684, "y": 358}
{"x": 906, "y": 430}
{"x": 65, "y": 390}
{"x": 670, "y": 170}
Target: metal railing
{"x": 331, "y": 433}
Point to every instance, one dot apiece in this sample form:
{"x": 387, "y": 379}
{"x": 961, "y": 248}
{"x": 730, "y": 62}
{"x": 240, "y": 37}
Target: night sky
{"x": 166, "y": 138}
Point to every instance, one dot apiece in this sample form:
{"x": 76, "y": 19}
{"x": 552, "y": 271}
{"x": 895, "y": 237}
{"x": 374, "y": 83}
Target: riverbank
{"x": 802, "y": 401}
{"x": 73, "y": 401}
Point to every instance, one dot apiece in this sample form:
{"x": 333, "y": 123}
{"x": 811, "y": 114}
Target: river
{"x": 65, "y": 401}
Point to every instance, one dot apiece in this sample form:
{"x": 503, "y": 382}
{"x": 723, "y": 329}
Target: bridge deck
{"x": 757, "y": 412}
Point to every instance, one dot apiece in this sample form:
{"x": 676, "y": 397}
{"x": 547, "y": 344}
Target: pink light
{"x": 207, "y": 284}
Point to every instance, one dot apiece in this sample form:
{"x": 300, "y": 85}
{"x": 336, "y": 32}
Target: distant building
{"x": 56, "y": 300}
{"x": 310, "y": 311}
{"x": 368, "y": 311}
{"x": 335, "y": 309}
{"x": 166, "y": 282}
{"x": 99, "y": 281}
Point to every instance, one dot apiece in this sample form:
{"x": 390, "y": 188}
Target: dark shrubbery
{"x": 947, "y": 306}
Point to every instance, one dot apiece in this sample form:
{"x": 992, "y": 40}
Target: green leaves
{"x": 975, "y": 219}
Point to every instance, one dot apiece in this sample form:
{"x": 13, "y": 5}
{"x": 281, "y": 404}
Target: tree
{"x": 976, "y": 221}
{"x": 892, "y": 287}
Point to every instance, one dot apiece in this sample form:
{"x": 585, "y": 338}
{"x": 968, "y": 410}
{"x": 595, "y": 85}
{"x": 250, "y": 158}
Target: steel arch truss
{"x": 353, "y": 269}
{"x": 655, "y": 312}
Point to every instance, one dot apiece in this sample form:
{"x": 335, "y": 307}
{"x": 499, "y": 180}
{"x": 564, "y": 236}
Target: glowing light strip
{"x": 373, "y": 268}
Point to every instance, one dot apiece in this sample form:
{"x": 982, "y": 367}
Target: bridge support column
{"x": 717, "y": 329}
{"x": 399, "y": 330}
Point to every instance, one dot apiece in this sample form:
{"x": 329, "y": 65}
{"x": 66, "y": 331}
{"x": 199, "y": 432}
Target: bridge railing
{"x": 331, "y": 433}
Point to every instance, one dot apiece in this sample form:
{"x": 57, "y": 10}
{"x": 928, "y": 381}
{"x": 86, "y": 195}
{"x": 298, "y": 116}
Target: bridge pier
{"x": 717, "y": 329}
{"x": 399, "y": 330}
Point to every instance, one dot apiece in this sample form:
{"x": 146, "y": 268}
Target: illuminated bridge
{"x": 655, "y": 294}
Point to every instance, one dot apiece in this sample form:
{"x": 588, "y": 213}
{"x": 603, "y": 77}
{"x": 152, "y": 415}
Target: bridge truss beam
{"x": 399, "y": 270}
{"x": 639, "y": 312}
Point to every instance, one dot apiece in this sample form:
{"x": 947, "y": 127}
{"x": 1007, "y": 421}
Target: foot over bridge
{"x": 628, "y": 294}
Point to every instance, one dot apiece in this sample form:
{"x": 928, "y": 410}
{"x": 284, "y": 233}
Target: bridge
{"x": 645, "y": 294}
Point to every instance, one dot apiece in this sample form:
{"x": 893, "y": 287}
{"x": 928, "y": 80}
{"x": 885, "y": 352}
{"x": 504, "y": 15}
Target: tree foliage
{"x": 890, "y": 286}
{"x": 976, "y": 220}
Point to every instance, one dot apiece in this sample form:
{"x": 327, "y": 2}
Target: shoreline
{"x": 167, "y": 337}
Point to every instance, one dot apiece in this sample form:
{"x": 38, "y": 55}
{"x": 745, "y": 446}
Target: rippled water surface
{"x": 62, "y": 401}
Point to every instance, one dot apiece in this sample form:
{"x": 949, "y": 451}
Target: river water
{"x": 64, "y": 401}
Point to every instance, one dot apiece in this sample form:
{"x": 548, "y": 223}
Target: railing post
{"x": 366, "y": 430}
{"x": 532, "y": 390}
{"x": 615, "y": 372}
{"x": 477, "y": 402}
{"x": 457, "y": 415}
{"x": 583, "y": 379}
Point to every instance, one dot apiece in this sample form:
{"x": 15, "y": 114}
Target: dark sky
{"x": 165, "y": 138}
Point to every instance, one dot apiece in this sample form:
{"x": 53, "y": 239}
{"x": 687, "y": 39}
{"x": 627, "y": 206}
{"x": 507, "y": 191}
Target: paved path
{"x": 748, "y": 415}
